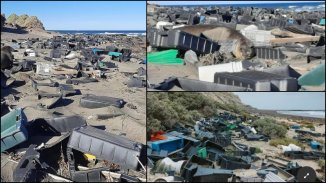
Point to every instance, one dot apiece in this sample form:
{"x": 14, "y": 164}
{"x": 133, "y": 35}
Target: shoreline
{"x": 274, "y": 113}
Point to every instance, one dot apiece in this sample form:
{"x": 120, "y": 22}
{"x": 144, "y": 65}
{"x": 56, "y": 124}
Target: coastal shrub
{"x": 269, "y": 127}
{"x": 287, "y": 126}
{"x": 258, "y": 150}
{"x": 309, "y": 126}
{"x": 245, "y": 116}
{"x": 321, "y": 164}
{"x": 165, "y": 109}
{"x": 285, "y": 142}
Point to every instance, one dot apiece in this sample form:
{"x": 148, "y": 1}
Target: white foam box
{"x": 206, "y": 73}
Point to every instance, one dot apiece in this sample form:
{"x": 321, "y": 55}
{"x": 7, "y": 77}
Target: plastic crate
{"x": 13, "y": 130}
{"x": 257, "y": 81}
{"x": 106, "y": 146}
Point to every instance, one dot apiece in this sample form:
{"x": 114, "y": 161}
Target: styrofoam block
{"x": 206, "y": 73}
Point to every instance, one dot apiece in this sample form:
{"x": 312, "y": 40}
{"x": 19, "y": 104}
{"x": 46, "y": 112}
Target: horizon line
{"x": 228, "y": 3}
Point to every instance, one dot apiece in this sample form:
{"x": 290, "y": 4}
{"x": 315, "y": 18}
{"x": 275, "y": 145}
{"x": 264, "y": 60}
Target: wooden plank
{"x": 295, "y": 40}
{"x": 278, "y": 32}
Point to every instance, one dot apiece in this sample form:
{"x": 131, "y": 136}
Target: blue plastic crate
{"x": 94, "y": 50}
{"x": 315, "y": 145}
{"x": 170, "y": 144}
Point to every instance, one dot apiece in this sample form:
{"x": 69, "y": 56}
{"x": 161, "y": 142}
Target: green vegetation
{"x": 309, "y": 126}
{"x": 285, "y": 142}
{"x": 321, "y": 164}
{"x": 268, "y": 126}
{"x": 258, "y": 150}
{"x": 165, "y": 109}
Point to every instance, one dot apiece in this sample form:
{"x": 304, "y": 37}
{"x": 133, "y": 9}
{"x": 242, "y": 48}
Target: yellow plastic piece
{"x": 89, "y": 157}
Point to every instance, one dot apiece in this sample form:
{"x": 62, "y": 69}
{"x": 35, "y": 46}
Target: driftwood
{"x": 295, "y": 40}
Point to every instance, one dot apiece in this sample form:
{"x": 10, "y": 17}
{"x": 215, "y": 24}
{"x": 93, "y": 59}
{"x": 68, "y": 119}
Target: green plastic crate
{"x": 202, "y": 152}
{"x": 315, "y": 77}
{"x": 167, "y": 57}
{"x": 116, "y": 54}
{"x": 231, "y": 126}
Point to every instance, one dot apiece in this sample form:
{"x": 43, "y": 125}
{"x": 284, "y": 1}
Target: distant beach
{"x": 315, "y": 114}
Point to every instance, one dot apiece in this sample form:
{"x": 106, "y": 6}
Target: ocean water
{"x": 315, "y": 114}
{"x": 109, "y": 32}
{"x": 295, "y": 5}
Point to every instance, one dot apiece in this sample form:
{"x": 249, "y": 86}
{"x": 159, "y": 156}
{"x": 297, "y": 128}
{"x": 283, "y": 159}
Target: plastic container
{"x": 13, "y": 130}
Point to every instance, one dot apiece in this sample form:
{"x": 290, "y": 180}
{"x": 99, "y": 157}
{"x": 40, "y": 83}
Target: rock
{"x": 21, "y": 20}
{"x": 6, "y": 57}
{"x": 3, "y": 20}
{"x": 33, "y": 22}
{"x": 191, "y": 57}
{"x": 12, "y": 19}
{"x": 25, "y": 21}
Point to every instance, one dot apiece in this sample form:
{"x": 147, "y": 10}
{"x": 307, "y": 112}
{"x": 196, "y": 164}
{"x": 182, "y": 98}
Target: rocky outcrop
{"x": 3, "y": 20}
{"x": 25, "y": 21}
{"x": 12, "y": 19}
{"x": 33, "y": 22}
{"x": 21, "y": 20}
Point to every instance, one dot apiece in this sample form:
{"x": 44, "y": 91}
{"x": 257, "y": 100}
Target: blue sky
{"x": 284, "y": 100}
{"x": 218, "y": 2}
{"x": 82, "y": 15}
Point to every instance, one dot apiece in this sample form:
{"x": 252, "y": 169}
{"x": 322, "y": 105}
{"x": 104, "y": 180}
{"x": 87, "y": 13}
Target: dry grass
{"x": 285, "y": 142}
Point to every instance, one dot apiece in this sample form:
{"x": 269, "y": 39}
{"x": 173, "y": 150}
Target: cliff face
{"x": 25, "y": 22}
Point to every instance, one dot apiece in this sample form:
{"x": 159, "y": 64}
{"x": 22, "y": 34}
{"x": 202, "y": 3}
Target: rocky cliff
{"x": 25, "y": 22}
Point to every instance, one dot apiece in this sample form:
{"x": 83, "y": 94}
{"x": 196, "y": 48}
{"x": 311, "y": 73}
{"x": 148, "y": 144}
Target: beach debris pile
{"x": 67, "y": 147}
{"x": 283, "y": 49}
{"x": 218, "y": 149}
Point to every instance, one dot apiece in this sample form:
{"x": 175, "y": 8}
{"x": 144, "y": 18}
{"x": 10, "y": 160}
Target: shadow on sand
{"x": 13, "y": 30}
